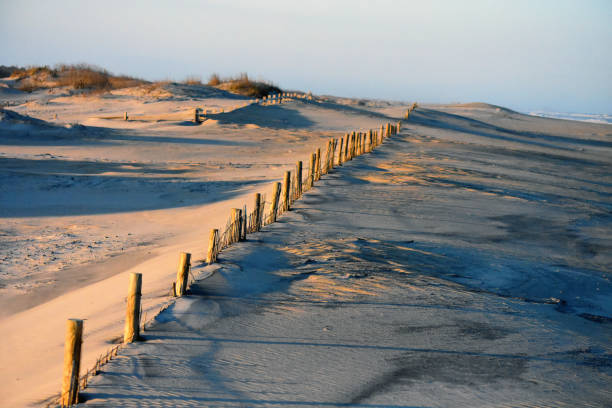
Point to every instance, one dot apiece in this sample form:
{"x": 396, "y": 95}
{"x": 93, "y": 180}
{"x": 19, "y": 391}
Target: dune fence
{"x": 240, "y": 223}
{"x": 201, "y": 113}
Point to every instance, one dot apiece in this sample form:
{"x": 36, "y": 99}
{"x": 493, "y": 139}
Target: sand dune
{"x": 86, "y": 200}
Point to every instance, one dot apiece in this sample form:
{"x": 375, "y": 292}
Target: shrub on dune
{"x": 243, "y": 85}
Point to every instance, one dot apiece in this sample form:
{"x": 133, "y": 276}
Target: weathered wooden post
{"x": 132, "y": 312}
{"x": 72, "y": 362}
{"x": 349, "y": 146}
{"x": 324, "y": 162}
{"x": 347, "y": 155}
{"x": 257, "y": 212}
{"x": 125, "y": 116}
{"x": 317, "y": 174}
{"x": 298, "y": 179}
{"x": 196, "y": 115}
{"x": 325, "y": 166}
{"x": 313, "y": 159}
{"x": 236, "y": 221}
{"x": 333, "y": 153}
{"x": 275, "y": 198}
{"x": 382, "y": 134}
{"x": 182, "y": 274}
{"x": 361, "y": 142}
{"x": 244, "y": 224}
{"x": 286, "y": 189}
{"x": 211, "y": 256}
{"x": 399, "y": 126}
{"x": 340, "y": 152}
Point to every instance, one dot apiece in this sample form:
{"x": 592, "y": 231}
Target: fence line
{"x": 236, "y": 229}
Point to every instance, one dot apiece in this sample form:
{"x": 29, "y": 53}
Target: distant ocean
{"x": 583, "y": 117}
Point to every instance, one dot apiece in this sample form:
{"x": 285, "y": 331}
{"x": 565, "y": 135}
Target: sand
{"x": 87, "y": 200}
{"x": 451, "y": 267}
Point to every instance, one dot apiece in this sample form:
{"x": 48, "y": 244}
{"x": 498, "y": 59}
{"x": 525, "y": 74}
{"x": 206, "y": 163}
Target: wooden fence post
{"x": 324, "y": 162}
{"x": 399, "y": 126}
{"x": 275, "y": 197}
{"x": 132, "y": 312}
{"x": 236, "y": 224}
{"x": 125, "y": 116}
{"x": 347, "y": 153}
{"x": 182, "y": 274}
{"x": 211, "y": 256}
{"x": 72, "y": 362}
{"x": 257, "y": 212}
{"x": 244, "y": 223}
{"x": 196, "y": 115}
{"x": 286, "y": 189}
{"x": 326, "y": 165}
{"x": 317, "y": 174}
{"x": 349, "y": 146}
{"x": 340, "y": 152}
{"x": 298, "y": 179}
{"x": 362, "y": 143}
{"x": 333, "y": 153}
{"x": 313, "y": 159}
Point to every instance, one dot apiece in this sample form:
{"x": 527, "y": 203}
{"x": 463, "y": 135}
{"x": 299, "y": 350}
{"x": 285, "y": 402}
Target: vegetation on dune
{"x": 89, "y": 79}
{"x": 80, "y": 76}
{"x": 7, "y": 70}
{"x": 193, "y": 80}
{"x": 243, "y": 85}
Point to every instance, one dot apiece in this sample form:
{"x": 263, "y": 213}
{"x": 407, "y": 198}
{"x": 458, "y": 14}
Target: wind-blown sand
{"x": 461, "y": 264}
{"x": 85, "y": 201}
{"x": 466, "y": 262}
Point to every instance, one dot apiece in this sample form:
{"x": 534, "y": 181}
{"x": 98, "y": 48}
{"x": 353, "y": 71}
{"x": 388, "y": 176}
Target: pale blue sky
{"x": 525, "y": 54}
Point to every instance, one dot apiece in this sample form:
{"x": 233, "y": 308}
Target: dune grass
{"x": 243, "y": 85}
{"x": 193, "y": 80}
{"x": 92, "y": 79}
{"x": 84, "y": 77}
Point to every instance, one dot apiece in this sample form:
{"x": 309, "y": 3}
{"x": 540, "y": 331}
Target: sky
{"x": 551, "y": 55}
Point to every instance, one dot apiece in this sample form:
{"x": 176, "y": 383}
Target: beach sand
{"x": 471, "y": 251}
